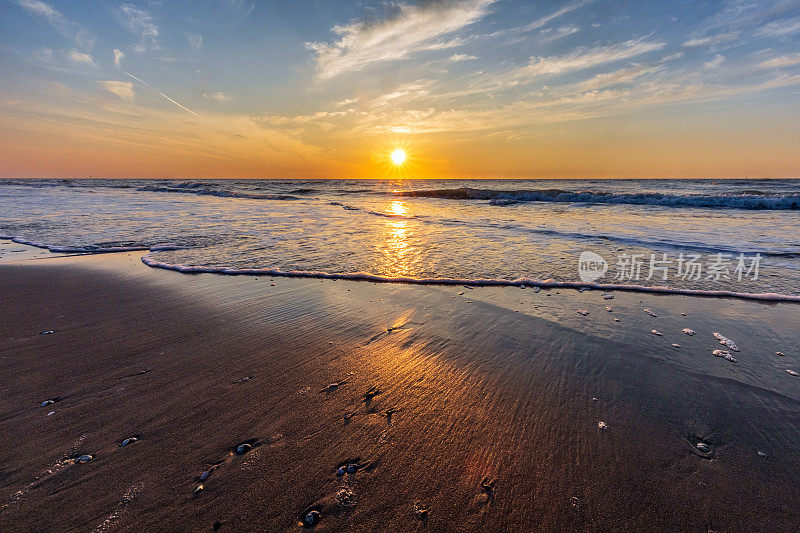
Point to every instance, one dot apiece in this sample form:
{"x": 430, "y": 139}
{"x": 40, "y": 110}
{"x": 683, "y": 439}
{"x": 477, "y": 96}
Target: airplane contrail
{"x": 164, "y": 95}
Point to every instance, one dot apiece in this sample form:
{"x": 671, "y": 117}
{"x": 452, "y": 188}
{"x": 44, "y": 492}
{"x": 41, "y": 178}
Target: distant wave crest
{"x": 201, "y": 189}
{"x": 501, "y": 198}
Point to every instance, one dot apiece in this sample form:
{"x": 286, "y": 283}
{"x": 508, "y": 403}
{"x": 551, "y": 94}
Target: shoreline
{"x": 499, "y": 384}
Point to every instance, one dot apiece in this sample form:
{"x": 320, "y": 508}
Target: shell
{"x": 688, "y": 331}
{"x": 602, "y": 425}
{"x": 702, "y": 446}
{"x": 84, "y": 459}
{"x": 311, "y": 518}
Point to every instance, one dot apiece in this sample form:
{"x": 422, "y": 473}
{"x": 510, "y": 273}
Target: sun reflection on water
{"x": 399, "y": 255}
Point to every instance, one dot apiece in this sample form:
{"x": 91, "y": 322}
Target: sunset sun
{"x": 398, "y": 156}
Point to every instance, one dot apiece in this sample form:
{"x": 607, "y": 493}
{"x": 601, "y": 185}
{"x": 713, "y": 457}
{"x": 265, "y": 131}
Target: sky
{"x": 468, "y": 88}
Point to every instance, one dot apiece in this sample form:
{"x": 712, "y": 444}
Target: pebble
{"x": 583, "y": 312}
{"x": 51, "y": 413}
{"x": 676, "y": 345}
{"x": 83, "y": 459}
{"x": 656, "y": 332}
{"x": 461, "y": 293}
{"x": 129, "y": 440}
{"x": 781, "y": 354}
{"x": 726, "y": 342}
{"x": 602, "y": 425}
{"x": 608, "y": 308}
{"x": 761, "y": 454}
{"x": 791, "y": 372}
{"x": 608, "y": 296}
{"x": 649, "y": 311}
{"x": 311, "y": 518}
{"x": 536, "y": 289}
{"x": 616, "y": 319}
{"x": 205, "y": 474}
{"x": 47, "y": 402}
{"x": 243, "y": 448}
{"x": 703, "y": 447}
{"x": 688, "y": 331}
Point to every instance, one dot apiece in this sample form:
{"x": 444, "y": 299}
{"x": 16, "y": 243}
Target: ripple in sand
{"x": 688, "y": 331}
{"x": 649, "y": 311}
{"x": 726, "y": 342}
{"x": 583, "y": 312}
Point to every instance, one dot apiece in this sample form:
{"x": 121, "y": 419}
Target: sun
{"x": 398, "y": 156}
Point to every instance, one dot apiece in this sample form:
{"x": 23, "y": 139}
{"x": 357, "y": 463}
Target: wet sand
{"x": 454, "y": 412}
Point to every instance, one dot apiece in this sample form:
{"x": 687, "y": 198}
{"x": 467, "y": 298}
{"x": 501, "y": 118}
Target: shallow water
{"x": 464, "y": 229}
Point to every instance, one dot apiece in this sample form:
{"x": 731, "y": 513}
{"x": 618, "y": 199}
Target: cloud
{"x": 67, "y": 28}
{"x": 140, "y": 23}
{"x": 455, "y": 58}
{"x": 539, "y": 23}
{"x": 780, "y": 62}
{"x": 583, "y": 58}
{"x": 123, "y": 89}
{"x": 80, "y": 57}
{"x": 712, "y": 40}
{"x": 780, "y": 28}
{"x": 411, "y": 29}
{"x": 118, "y": 55}
{"x": 717, "y": 61}
{"x": 219, "y": 97}
{"x": 195, "y": 40}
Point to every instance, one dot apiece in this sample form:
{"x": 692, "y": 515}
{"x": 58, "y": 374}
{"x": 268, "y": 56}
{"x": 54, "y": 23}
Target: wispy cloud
{"x": 456, "y": 58}
{"x": 543, "y": 21}
{"x": 80, "y": 57}
{"x": 162, "y": 94}
{"x": 195, "y": 40}
{"x": 122, "y": 89}
{"x": 139, "y": 22}
{"x": 780, "y": 62}
{"x": 411, "y": 29}
{"x": 711, "y": 40}
{"x": 717, "y": 61}
{"x": 780, "y": 28}
{"x": 218, "y": 97}
{"x": 69, "y": 29}
{"x": 118, "y": 56}
{"x": 583, "y": 58}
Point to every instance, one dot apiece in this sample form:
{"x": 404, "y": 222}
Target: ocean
{"x": 731, "y": 236}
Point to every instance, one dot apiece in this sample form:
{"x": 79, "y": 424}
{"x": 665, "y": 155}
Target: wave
{"x": 201, "y": 189}
{"x": 149, "y": 260}
{"x": 504, "y": 197}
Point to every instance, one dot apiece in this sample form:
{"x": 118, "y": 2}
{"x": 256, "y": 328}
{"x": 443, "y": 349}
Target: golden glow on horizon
{"x": 398, "y": 156}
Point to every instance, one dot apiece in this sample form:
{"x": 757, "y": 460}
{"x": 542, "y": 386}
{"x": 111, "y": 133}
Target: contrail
{"x": 164, "y": 95}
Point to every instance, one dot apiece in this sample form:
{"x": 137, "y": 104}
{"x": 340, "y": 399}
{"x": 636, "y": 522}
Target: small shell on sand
{"x": 761, "y": 454}
{"x": 609, "y": 309}
{"x": 48, "y": 332}
{"x": 129, "y": 440}
{"x": 47, "y": 402}
{"x": 781, "y": 354}
{"x": 703, "y": 447}
{"x": 602, "y": 425}
{"x": 583, "y": 312}
{"x": 198, "y": 489}
{"x": 616, "y": 319}
{"x": 676, "y": 345}
{"x": 656, "y": 332}
{"x": 311, "y": 518}
{"x": 726, "y": 341}
{"x": 83, "y": 459}
{"x": 243, "y": 448}
{"x": 791, "y": 372}
{"x": 688, "y": 331}
{"x": 607, "y": 296}
{"x": 649, "y": 311}
{"x": 724, "y": 353}
{"x": 461, "y": 293}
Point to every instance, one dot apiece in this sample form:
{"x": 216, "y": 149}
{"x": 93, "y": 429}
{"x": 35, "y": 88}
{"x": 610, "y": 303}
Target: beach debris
{"x": 583, "y": 312}
{"x": 609, "y": 309}
{"x": 129, "y": 440}
{"x": 675, "y": 345}
{"x": 724, "y": 353}
{"x": 616, "y": 319}
{"x": 607, "y": 296}
{"x": 345, "y": 497}
{"x": 421, "y": 511}
{"x": 371, "y": 393}
{"x": 198, "y": 489}
{"x": 703, "y": 447}
{"x": 311, "y": 518}
{"x": 649, "y": 311}
{"x": 48, "y": 332}
{"x": 602, "y": 425}
{"x": 47, "y": 402}
{"x": 332, "y": 386}
{"x": 461, "y": 293}
{"x": 791, "y": 372}
{"x": 487, "y": 484}
{"x": 780, "y": 354}
{"x": 243, "y": 380}
{"x": 51, "y": 413}
{"x": 761, "y": 454}
{"x": 576, "y": 502}
{"x": 83, "y": 459}
{"x": 726, "y": 341}
{"x": 688, "y": 331}
{"x": 656, "y": 332}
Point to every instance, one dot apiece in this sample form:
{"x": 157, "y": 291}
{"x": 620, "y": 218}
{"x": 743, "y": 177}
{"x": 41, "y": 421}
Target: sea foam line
{"x": 149, "y": 260}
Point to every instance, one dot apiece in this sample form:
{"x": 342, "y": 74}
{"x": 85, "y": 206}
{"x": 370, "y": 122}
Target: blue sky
{"x": 472, "y": 87}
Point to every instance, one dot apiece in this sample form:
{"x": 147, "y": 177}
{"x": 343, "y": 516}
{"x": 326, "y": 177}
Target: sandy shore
{"x": 483, "y": 412}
